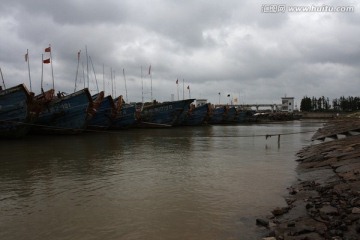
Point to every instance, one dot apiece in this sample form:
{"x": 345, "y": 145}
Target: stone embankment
{"x": 325, "y": 201}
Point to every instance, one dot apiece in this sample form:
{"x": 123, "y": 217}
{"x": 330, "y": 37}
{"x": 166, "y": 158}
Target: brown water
{"x": 208, "y": 182}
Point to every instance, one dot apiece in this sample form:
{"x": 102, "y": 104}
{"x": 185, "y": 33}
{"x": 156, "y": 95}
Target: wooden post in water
{"x": 279, "y": 141}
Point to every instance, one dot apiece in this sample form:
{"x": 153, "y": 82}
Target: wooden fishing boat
{"x": 183, "y": 116}
{"x": 125, "y": 115}
{"x": 65, "y": 114}
{"x": 197, "y": 115}
{"x": 217, "y": 115}
{"x": 165, "y": 114}
{"x": 15, "y": 114}
{"x": 105, "y": 109}
{"x": 230, "y": 113}
{"x": 243, "y": 116}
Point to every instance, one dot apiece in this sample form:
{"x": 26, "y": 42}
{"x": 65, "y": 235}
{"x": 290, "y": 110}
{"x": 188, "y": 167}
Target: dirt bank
{"x": 325, "y": 201}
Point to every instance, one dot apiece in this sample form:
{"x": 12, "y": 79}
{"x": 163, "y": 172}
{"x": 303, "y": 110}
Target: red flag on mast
{"x": 48, "y": 49}
{"x": 26, "y": 57}
{"x": 177, "y": 81}
{"x": 46, "y": 61}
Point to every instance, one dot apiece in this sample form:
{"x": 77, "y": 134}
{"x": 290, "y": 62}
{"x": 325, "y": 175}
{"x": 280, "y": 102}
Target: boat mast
{"x": 125, "y": 86}
{"x": 27, "y": 59}
{"x": 87, "y": 65}
{"x": 142, "y": 88}
{"x": 103, "y": 78}
{"x": 42, "y": 73}
{"x": 2, "y": 77}
{"x": 52, "y": 69}
{"x": 97, "y": 86}
{"x": 183, "y": 90}
{"x": 112, "y": 83}
{"x": 82, "y": 64}
{"x": 151, "y": 97}
{"x": 77, "y": 69}
{"x": 177, "y": 88}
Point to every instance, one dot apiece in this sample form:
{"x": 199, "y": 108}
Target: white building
{"x": 287, "y": 104}
{"x": 200, "y": 102}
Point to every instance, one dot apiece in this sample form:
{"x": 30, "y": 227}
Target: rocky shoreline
{"x": 324, "y": 203}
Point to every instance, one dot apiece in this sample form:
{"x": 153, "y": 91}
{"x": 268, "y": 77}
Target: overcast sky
{"x": 227, "y": 47}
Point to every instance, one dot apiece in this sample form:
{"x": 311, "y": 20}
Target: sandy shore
{"x": 325, "y": 201}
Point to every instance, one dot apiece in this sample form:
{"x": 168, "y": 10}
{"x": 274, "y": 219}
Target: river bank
{"x": 324, "y": 203}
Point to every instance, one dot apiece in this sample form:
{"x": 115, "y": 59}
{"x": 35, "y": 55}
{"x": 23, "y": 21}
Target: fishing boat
{"x": 230, "y": 113}
{"x": 197, "y": 115}
{"x": 241, "y": 116}
{"x": 183, "y": 116}
{"x": 124, "y": 115}
{"x": 41, "y": 100}
{"x": 65, "y": 114}
{"x": 105, "y": 108}
{"x": 15, "y": 114}
{"x": 165, "y": 114}
{"x": 217, "y": 115}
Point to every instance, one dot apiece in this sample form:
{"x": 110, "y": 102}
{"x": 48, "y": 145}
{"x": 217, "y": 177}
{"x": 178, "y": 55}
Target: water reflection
{"x": 181, "y": 183}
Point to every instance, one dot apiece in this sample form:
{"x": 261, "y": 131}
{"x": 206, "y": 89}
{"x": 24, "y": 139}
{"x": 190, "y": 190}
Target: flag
{"x": 46, "y": 61}
{"x": 149, "y": 69}
{"x": 79, "y": 55}
{"x": 48, "y": 49}
{"x": 188, "y": 87}
{"x": 219, "y": 93}
{"x": 177, "y": 81}
{"x": 26, "y": 57}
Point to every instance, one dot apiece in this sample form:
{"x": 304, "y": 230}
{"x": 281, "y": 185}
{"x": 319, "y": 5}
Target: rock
{"x": 358, "y": 228}
{"x": 325, "y": 202}
{"x": 302, "y": 229}
{"x": 355, "y": 210}
{"x": 329, "y": 210}
{"x": 262, "y": 222}
{"x": 291, "y": 224}
{"x": 280, "y": 211}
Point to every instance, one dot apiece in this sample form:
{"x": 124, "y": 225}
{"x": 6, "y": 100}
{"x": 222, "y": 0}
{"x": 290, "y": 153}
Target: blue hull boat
{"x": 230, "y": 114}
{"x": 217, "y": 115}
{"x": 15, "y": 114}
{"x": 183, "y": 116}
{"x": 241, "y": 116}
{"x": 166, "y": 114}
{"x": 125, "y": 115}
{"x": 197, "y": 115}
{"x": 65, "y": 114}
{"x": 104, "y": 112}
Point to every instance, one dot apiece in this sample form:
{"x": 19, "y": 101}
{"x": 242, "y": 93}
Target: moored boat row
{"x": 21, "y": 112}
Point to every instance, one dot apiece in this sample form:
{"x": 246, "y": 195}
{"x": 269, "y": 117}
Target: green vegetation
{"x": 322, "y": 104}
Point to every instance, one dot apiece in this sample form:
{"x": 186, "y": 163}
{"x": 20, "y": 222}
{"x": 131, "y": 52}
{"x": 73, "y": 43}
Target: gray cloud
{"x": 229, "y": 47}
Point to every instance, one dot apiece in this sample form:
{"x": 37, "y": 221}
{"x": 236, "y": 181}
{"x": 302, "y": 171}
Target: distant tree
{"x": 305, "y": 104}
{"x": 336, "y": 104}
{"x": 344, "y": 103}
{"x": 327, "y": 104}
{"x": 322, "y": 103}
{"x": 313, "y": 103}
